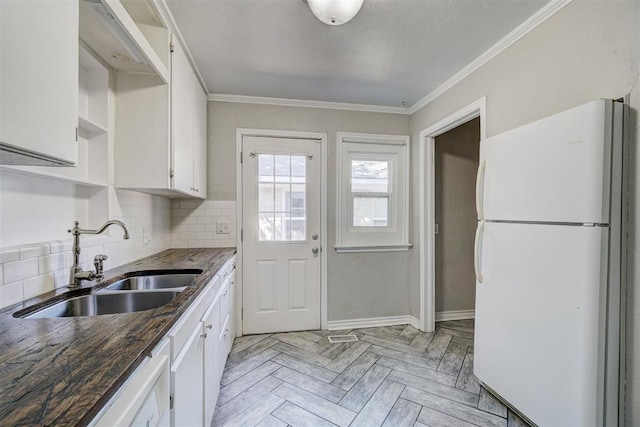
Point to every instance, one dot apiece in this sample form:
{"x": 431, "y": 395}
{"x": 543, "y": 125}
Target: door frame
{"x": 322, "y": 137}
{"x": 427, "y": 141}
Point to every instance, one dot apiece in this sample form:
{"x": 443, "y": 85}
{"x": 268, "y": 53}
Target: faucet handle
{"x": 97, "y": 262}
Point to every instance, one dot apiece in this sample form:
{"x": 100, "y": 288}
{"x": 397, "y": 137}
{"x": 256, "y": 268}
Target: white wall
{"x": 589, "y": 50}
{"x": 361, "y": 285}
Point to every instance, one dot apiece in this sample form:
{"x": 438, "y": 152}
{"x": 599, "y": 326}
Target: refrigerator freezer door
{"x": 540, "y": 320}
{"x": 554, "y": 170}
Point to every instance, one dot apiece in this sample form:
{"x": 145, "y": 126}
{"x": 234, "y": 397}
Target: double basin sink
{"x": 134, "y": 293}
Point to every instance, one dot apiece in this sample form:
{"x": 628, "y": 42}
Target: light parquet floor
{"x": 393, "y": 376}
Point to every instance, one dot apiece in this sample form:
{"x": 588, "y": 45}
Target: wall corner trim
{"x": 373, "y": 322}
{"x": 444, "y": 316}
{"x": 520, "y": 31}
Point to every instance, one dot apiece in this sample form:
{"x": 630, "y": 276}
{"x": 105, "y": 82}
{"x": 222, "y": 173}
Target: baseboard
{"x": 373, "y": 322}
{"x": 443, "y": 316}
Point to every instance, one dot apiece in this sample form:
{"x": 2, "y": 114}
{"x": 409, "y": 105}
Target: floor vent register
{"x": 342, "y": 338}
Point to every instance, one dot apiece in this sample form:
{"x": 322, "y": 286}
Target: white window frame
{"x": 361, "y": 146}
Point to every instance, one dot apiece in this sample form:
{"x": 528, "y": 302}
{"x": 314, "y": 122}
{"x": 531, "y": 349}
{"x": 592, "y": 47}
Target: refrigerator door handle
{"x": 477, "y": 254}
{"x": 480, "y": 189}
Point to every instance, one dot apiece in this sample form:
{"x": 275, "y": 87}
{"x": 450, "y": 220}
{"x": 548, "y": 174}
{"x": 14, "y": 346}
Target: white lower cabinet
{"x": 188, "y": 382}
{"x": 198, "y": 361}
{"x": 179, "y": 383}
{"x": 143, "y": 400}
{"x": 212, "y": 352}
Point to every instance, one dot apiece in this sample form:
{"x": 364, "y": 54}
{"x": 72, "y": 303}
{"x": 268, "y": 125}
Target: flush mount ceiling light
{"x": 335, "y": 12}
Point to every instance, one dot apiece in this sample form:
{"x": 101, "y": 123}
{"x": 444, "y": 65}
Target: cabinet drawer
{"x": 228, "y": 266}
{"x": 180, "y": 332}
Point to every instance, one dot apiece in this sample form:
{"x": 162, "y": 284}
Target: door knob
{"x": 315, "y": 251}
{"x": 315, "y": 236}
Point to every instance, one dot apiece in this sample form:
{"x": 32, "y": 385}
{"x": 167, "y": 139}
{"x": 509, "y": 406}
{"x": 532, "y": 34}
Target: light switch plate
{"x": 222, "y": 227}
{"x": 146, "y": 235}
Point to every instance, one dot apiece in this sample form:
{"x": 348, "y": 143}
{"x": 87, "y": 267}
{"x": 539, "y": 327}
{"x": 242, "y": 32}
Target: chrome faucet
{"x": 77, "y": 275}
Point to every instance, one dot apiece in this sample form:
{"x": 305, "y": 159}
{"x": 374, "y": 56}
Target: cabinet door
{"x": 188, "y": 383}
{"x": 211, "y": 326}
{"x": 200, "y": 140}
{"x": 223, "y": 339}
{"x": 182, "y": 109}
{"x": 232, "y": 305}
{"x": 39, "y": 76}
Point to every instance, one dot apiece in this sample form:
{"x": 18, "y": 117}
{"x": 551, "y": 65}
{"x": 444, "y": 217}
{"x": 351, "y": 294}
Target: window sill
{"x": 372, "y": 248}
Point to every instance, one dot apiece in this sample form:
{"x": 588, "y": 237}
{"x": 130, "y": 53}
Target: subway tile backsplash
{"x": 36, "y": 268}
{"x": 193, "y": 223}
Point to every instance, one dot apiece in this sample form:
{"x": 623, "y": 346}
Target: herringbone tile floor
{"x": 393, "y": 376}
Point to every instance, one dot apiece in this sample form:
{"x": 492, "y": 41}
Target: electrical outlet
{"x": 146, "y": 235}
{"x": 222, "y": 227}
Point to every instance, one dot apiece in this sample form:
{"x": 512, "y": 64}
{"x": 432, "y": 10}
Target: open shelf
{"x": 137, "y": 43}
{"x": 51, "y": 175}
{"x": 89, "y": 128}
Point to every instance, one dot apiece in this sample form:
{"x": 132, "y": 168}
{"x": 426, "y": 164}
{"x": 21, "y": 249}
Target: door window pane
{"x": 265, "y": 197}
{"x": 282, "y": 197}
{"x": 370, "y": 211}
{"x": 369, "y": 176}
{"x": 265, "y": 168}
{"x": 265, "y": 226}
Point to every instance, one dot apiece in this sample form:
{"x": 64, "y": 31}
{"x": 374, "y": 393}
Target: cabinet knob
{"x": 209, "y": 326}
{"x": 203, "y": 335}
{"x": 226, "y": 332}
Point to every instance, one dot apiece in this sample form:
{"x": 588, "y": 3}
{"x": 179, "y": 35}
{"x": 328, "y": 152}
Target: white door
{"x": 281, "y": 228}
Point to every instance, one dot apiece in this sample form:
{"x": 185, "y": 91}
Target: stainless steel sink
{"x": 105, "y": 303}
{"x": 152, "y": 282}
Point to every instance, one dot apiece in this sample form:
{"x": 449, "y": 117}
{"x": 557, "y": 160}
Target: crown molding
{"x": 523, "y": 29}
{"x": 286, "y": 102}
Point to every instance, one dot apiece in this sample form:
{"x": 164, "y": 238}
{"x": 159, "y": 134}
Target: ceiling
{"x": 393, "y": 53}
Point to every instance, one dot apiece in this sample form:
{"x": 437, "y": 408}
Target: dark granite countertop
{"x": 62, "y": 371}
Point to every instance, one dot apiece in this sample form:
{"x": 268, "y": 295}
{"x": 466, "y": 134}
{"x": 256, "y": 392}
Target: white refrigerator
{"x": 548, "y": 266}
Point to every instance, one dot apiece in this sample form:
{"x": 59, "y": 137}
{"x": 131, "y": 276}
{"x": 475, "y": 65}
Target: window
{"x": 282, "y": 197}
{"x": 373, "y": 204}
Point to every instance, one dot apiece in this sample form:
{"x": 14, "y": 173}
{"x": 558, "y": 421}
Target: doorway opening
{"x": 427, "y": 142}
{"x": 456, "y": 157}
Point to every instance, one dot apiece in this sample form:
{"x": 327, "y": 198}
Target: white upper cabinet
{"x": 38, "y": 82}
{"x": 189, "y": 127}
{"x": 182, "y": 117}
{"x": 157, "y": 142}
{"x": 200, "y": 144}
{"x": 161, "y": 131}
